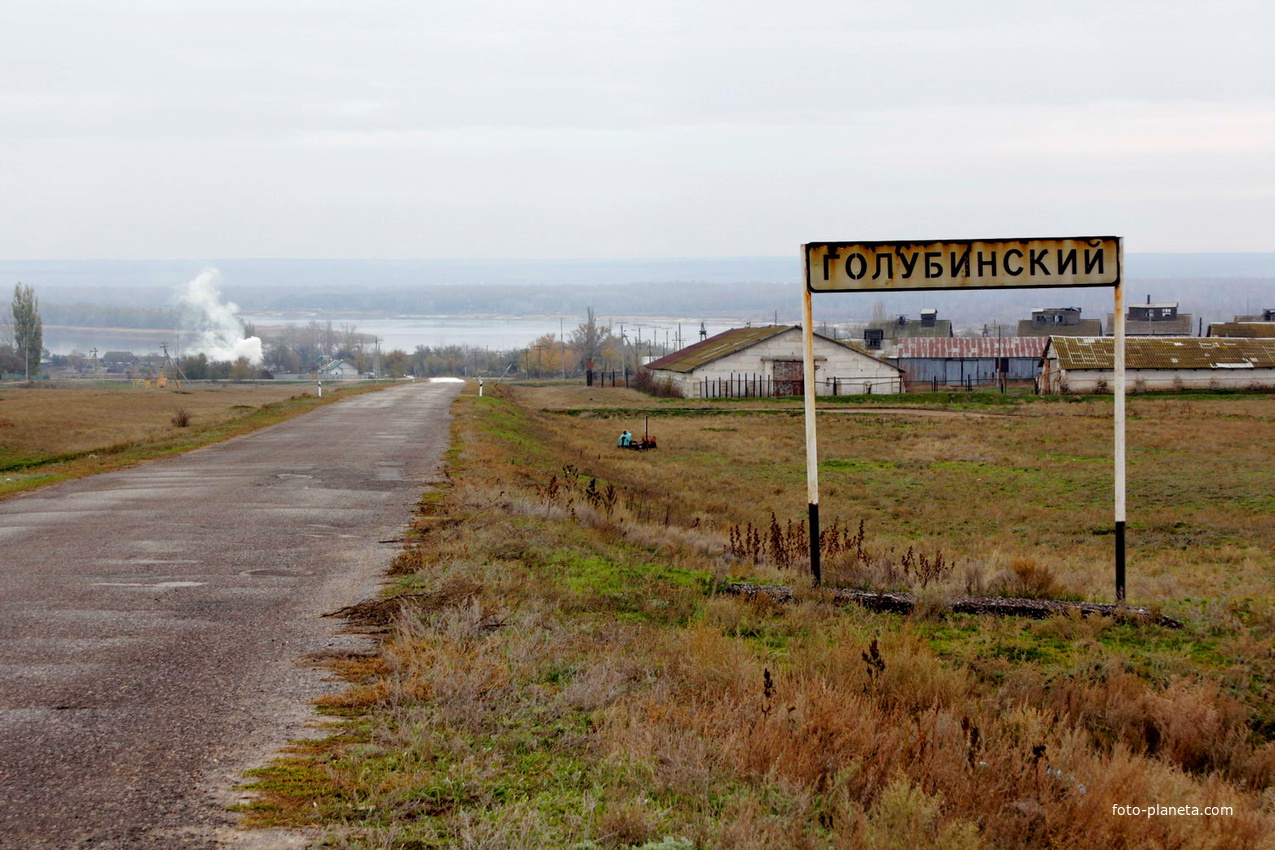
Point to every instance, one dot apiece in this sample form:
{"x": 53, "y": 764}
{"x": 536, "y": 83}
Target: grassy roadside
{"x": 557, "y": 670}
{"x": 49, "y": 435}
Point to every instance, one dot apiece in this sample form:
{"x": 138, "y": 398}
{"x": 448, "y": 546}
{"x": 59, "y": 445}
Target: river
{"x": 501, "y": 333}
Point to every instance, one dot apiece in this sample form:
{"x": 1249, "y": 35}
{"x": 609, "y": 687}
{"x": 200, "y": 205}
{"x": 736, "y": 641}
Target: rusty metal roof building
{"x": 971, "y": 348}
{"x": 1091, "y": 353}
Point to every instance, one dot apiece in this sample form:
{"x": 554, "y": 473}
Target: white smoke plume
{"x": 219, "y": 333}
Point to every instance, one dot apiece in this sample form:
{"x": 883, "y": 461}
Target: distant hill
{"x": 1211, "y": 286}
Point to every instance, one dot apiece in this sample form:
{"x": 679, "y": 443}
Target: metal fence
{"x": 747, "y": 386}
{"x": 752, "y": 385}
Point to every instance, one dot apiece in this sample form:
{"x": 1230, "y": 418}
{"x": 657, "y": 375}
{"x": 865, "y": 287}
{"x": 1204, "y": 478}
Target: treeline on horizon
{"x": 83, "y": 315}
{"x": 305, "y": 349}
{"x": 592, "y": 345}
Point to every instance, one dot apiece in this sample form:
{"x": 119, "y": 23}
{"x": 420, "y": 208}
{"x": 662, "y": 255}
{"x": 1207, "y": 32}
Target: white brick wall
{"x": 837, "y": 368}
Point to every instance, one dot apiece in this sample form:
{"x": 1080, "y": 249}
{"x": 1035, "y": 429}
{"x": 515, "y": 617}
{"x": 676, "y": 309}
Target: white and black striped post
{"x": 812, "y": 447}
{"x": 1119, "y": 334}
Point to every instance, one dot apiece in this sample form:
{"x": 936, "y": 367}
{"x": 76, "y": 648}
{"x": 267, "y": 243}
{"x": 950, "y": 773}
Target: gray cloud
{"x": 569, "y": 128}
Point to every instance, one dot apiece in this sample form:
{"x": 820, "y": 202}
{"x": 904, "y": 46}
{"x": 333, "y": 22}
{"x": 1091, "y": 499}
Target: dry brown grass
{"x": 52, "y": 433}
{"x": 1030, "y": 483}
{"x": 37, "y": 422}
{"x": 574, "y": 680}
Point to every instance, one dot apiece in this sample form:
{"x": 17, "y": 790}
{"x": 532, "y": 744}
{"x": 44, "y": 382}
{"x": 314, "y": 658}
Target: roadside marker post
{"x": 1119, "y": 333}
{"x": 963, "y": 264}
{"x": 812, "y": 442}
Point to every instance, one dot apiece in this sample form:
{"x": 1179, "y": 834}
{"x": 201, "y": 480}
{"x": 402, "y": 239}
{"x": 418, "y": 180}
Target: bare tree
{"x": 589, "y": 339}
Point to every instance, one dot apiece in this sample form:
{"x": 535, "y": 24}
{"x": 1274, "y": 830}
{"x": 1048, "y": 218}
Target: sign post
{"x": 1118, "y": 332}
{"x": 964, "y": 264}
{"x": 812, "y": 442}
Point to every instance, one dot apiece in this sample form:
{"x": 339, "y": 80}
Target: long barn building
{"x": 1087, "y": 364}
{"x": 769, "y": 361}
{"x": 969, "y": 362}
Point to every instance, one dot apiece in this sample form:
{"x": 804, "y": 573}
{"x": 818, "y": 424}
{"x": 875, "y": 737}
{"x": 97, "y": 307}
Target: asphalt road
{"x": 154, "y": 621}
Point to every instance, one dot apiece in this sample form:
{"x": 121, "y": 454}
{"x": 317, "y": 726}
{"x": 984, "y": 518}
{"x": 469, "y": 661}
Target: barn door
{"x": 789, "y": 377}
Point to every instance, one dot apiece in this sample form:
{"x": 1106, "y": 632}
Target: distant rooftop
{"x": 971, "y": 348}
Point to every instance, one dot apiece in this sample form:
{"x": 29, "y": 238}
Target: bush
{"x": 659, "y": 387}
{"x": 1029, "y": 580}
{"x": 182, "y": 417}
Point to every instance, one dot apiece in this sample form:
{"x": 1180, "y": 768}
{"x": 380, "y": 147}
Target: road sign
{"x": 962, "y": 264}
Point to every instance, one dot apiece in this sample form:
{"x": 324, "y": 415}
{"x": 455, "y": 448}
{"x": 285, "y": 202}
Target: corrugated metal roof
{"x": 1182, "y": 326}
{"x": 1085, "y": 327}
{"x": 1165, "y": 353}
{"x": 715, "y": 347}
{"x": 913, "y": 329}
{"x": 1250, "y": 330}
{"x": 972, "y": 348}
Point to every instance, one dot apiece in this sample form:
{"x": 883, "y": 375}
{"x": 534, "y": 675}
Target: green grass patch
{"x": 857, "y": 465}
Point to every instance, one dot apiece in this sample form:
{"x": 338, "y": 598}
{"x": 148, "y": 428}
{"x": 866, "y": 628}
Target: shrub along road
{"x": 152, "y": 620}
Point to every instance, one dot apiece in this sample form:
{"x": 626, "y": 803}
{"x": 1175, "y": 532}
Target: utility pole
{"x": 1001, "y": 364}
{"x": 624, "y": 354}
{"x": 168, "y": 361}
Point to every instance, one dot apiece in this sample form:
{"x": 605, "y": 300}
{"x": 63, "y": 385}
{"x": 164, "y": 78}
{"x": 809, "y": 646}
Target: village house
{"x": 1087, "y": 364}
{"x": 769, "y": 361}
{"x": 338, "y": 370}
{"x": 118, "y": 361}
{"x": 1058, "y": 321}
{"x": 883, "y": 334}
{"x": 1162, "y": 319}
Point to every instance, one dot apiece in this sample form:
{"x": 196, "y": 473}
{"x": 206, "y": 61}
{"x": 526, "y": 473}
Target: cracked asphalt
{"x": 154, "y": 622}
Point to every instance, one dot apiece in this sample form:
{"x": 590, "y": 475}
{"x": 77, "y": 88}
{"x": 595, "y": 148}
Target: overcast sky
{"x": 560, "y": 129}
